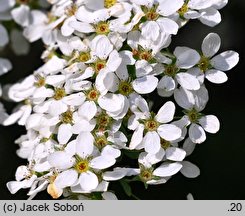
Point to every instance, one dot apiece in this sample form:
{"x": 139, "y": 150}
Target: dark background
{"x": 221, "y": 158}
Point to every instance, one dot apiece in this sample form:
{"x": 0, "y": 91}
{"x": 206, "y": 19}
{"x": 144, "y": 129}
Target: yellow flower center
{"x": 109, "y": 3}
{"x": 102, "y": 28}
{"x": 71, "y": 10}
{"x": 103, "y": 121}
{"x": 145, "y": 55}
{"x": 146, "y": 175}
{"x": 40, "y": 81}
{"x": 125, "y": 88}
{"x": 183, "y": 10}
{"x": 151, "y": 125}
{"x": 93, "y": 95}
{"x": 67, "y": 117}
{"x": 152, "y": 15}
{"x": 204, "y": 63}
{"x": 101, "y": 142}
{"x": 165, "y": 144}
{"x": 193, "y": 115}
{"x": 99, "y": 64}
{"x": 170, "y": 70}
{"x": 82, "y": 166}
{"x": 59, "y": 93}
{"x": 83, "y": 57}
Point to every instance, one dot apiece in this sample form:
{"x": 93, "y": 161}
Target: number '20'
{"x": 236, "y": 207}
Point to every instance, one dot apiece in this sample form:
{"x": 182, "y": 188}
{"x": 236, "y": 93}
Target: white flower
{"x": 76, "y": 122}
{"x": 211, "y": 66}
{"x": 116, "y": 105}
{"x": 206, "y": 11}
{"x": 78, "y": 160}
{"x": 153, "y": 127}
{"x": 157, "y": 22}
{"x": 194, "y": 102}
{"x": 24, "y": 179}
{"x": 20, "y": 114}
{"x": 185, "y": 58}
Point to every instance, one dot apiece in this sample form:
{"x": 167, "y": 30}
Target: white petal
{"x": 184, "y": 98}
{"x": 4, "y": 39}
{"x": 5, "y": 65}
{"x": 109, "y": 151}
{"x": 83, "y": 125}
{"x": 57, "y": 107}
{"x": 60, "y": 160}
{"x": 113, "y": 61}
{"x": 114, "y": 175}
{"x": 81, "y": 27}
{"x": 192, "y": 15}
{"x": 21, "y": 173}
{"x": 167, "y": 169}
{"x": 155, "y": 158}
{"x": 145, "y": 85}
{"x": 199, "y": 4}
{"x": 66, "y": 178}
{"x": 167, "y": 83}
{"x": 75, "y": 99}
{"x": 210, "y": 123}
{"x": 64, "y": 133}
{"x": 85, "y": 144}
{"x": 189, "y": 170}
{"x": 55, "y": 80}
{"x": 175, "y": 154}
{"x": 169, "y": 132}
{"x": 19, "y": 44}
{"x": 102, "y": 162}
{"x": 197, "y": 134}
{"x": 34, "y": 120}
{"x": 168, "y": 26}
{"x": 150, "y": 30}
{"x": 66, "y": 29}
{"x": 197, "y": 73}
{"x": 111, "y": 102}
{"x": 101, "y": 46}
{"x": 211, "y": 44}
{"x": 109, "y": 196}
{"x": 188, "y": 81}
{"x": 189, "y": 196}
{"x": 137, "y": 137}
{"x": 219, "y": 4}
{"x": 151, "y": 142}
{"x": 201, "y": 98}
{"x": 210, "y": 17}
{"x": 225, "y": 61}
{"x": 88, "y": 110}
{"x": 21, "y": 15}
{"x": 88, "y": 181}
{"x": 166, "y": 112}
{"x": 216, "y": 76}
{"x": 186, "y": 57}
{"x": 6, "y": 5}
{"x": 14, "y": 117}
{"x": 189, "y": 146}
{"x": 168, "y": 7}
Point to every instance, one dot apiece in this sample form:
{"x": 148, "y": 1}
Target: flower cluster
{"x": 88, "y": 112}
{"x": 14, "y": 16}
